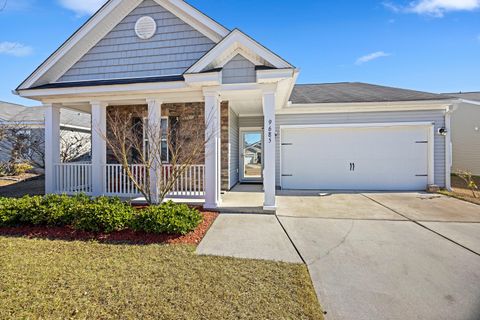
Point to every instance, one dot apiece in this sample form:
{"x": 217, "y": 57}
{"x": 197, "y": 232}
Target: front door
{"x": 251, "y": 156}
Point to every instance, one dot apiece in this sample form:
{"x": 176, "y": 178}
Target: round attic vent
{"x": 145, "y": 27}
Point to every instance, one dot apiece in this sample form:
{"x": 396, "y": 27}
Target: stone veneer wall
{"x": 189, "y": 111}
{"x": 225, "y": 145}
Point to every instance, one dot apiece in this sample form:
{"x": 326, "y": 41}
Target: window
{"x": 165, "y": 153}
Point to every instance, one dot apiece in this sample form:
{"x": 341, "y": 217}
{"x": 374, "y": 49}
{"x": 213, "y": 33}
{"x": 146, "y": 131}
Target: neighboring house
{"x": 30, "y": 122}
{"x": 466, "y": 133}
{"x": 161, "y": 55}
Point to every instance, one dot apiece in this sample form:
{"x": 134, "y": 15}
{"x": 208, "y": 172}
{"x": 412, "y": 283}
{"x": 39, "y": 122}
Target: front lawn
{"x": 42, "y": 279}
{"x": 461, "y": 191}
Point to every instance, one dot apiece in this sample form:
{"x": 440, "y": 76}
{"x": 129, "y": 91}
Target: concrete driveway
{"x": 388, "y": 255}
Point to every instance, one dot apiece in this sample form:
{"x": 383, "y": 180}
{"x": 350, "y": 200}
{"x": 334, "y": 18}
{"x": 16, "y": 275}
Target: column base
{"x": 211, "y": 206}
{"x": 270, "y": 208}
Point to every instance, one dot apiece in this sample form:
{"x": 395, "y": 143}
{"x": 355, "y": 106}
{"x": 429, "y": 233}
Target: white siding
{"x": 466, "y": 141}
{"x": 239, "y": 70}
{"x": 234, "y": 148}
{"x": 437, "y": 117}
{"x": 121, "y": 54}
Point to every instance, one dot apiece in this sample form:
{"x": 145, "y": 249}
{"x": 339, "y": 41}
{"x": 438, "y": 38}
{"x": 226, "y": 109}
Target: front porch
{"x": 228, "y": 160}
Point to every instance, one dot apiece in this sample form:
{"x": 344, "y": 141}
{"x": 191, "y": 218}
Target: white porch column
{"x": 52, "y": 145}
{"x": 269, "y": 150}
{"x": 99, "y": 147}
{"x": 155, "y": 138}
{"x": 212, "y": 150}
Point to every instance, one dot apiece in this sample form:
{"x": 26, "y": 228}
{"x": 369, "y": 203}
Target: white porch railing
{"x": 73, "y": 178}
{"x": 190, "y": 183}
{"x": 118, "y": 183}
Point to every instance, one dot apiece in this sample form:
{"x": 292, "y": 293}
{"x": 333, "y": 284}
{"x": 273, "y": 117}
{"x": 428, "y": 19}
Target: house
{"x": 161, "y": 55}
{"x": 30, "y": 122}
{"x": 466, "y": 133}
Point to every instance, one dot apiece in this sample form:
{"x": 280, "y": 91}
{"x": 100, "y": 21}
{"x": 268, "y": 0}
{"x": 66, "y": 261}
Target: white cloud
{"x": 371, "y": 57}
{"x": 439, "y": 7}
{"x": 392, "y": 6}
{"x": 15, "y": 49}
{"x": 82, "y": 7}
{"x": 435, "y": 8}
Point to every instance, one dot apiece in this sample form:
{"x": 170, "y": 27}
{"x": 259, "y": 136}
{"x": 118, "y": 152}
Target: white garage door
{"x": 355, "y": 158}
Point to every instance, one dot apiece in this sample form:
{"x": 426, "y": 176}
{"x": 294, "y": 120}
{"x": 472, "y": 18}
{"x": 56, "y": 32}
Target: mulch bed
{"x": 126, "y": 236}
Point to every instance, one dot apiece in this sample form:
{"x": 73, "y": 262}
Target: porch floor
{"x": 243, "y": 198}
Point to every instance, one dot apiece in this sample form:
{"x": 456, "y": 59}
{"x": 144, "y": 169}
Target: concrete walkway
{"x": 375, "y": 270}
{"x": 248, "y": 236}
{"x": 371, "y": 256}
{"x": 378, "y": 256}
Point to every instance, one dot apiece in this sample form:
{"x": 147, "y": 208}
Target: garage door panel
{"x": 383, "y": 158}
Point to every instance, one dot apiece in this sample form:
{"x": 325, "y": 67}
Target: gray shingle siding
{"x": 234, "y": 148}
{"x": 239, "y": 70}
{"x": 121, "y": 54}
{"x": 437, "y": 117}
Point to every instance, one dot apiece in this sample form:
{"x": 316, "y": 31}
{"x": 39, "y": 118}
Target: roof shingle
{"x": 354, "y": 92}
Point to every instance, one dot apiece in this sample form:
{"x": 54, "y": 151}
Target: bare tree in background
{"x": 3, "y": 4}
{"x": 184, "y": 141}
{"x": 26, "y": 144}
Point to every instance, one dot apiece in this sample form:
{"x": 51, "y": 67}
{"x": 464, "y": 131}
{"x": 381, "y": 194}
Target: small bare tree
{"x": 469, "y": 180}
{"x": 135, "y": 141}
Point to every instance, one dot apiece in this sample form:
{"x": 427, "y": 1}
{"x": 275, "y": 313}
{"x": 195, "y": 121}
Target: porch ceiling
{"x": 244, "y": 102}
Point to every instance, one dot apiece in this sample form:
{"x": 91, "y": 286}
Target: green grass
{"x": 41, "y": 279}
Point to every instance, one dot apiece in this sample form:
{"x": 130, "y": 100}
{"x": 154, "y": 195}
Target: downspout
{"x": 448, "y": 145}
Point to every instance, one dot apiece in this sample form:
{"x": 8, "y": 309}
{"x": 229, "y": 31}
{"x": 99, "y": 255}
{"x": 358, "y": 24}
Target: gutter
{"x": 448, "y": 144}
{"x": 470, "y": 102}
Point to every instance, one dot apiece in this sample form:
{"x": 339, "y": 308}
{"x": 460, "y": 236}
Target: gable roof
{"x": 237, "y": 42}
{"x": 102, "y": 22}
{"x": 8, "y": 110}
{"x": 356, "y": 92}
{"x": 14, "y": 113}
{"x": 474, "y": 96}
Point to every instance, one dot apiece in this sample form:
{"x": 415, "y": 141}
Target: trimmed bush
{"x": 168, "y": 218}
{"x": 97, "y": 215}
{"x": 10, "y": 211}
{"x": 103, "y": 215}
{"x": 52, "y": 210}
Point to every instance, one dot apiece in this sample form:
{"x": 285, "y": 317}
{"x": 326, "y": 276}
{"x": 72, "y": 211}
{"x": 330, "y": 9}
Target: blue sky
{"x": 430, "y": 45}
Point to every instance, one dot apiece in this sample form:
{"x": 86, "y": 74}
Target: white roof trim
{"x": 103, "y": 22}
{"x": 203, "y": 23}
{"x": 470, "y": 102}
{"x": 365, "y": 107}
{"x": 236, "y": 40}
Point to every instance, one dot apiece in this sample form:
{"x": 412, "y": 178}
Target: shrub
{"x": 10, "y": 210}
{"x": 169, "y": 218}
{"x": 97, "y": 215}
{"x": 14, "y": 169}
{"x": 103, "y": 215}
{"x": 52, "y": 210}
